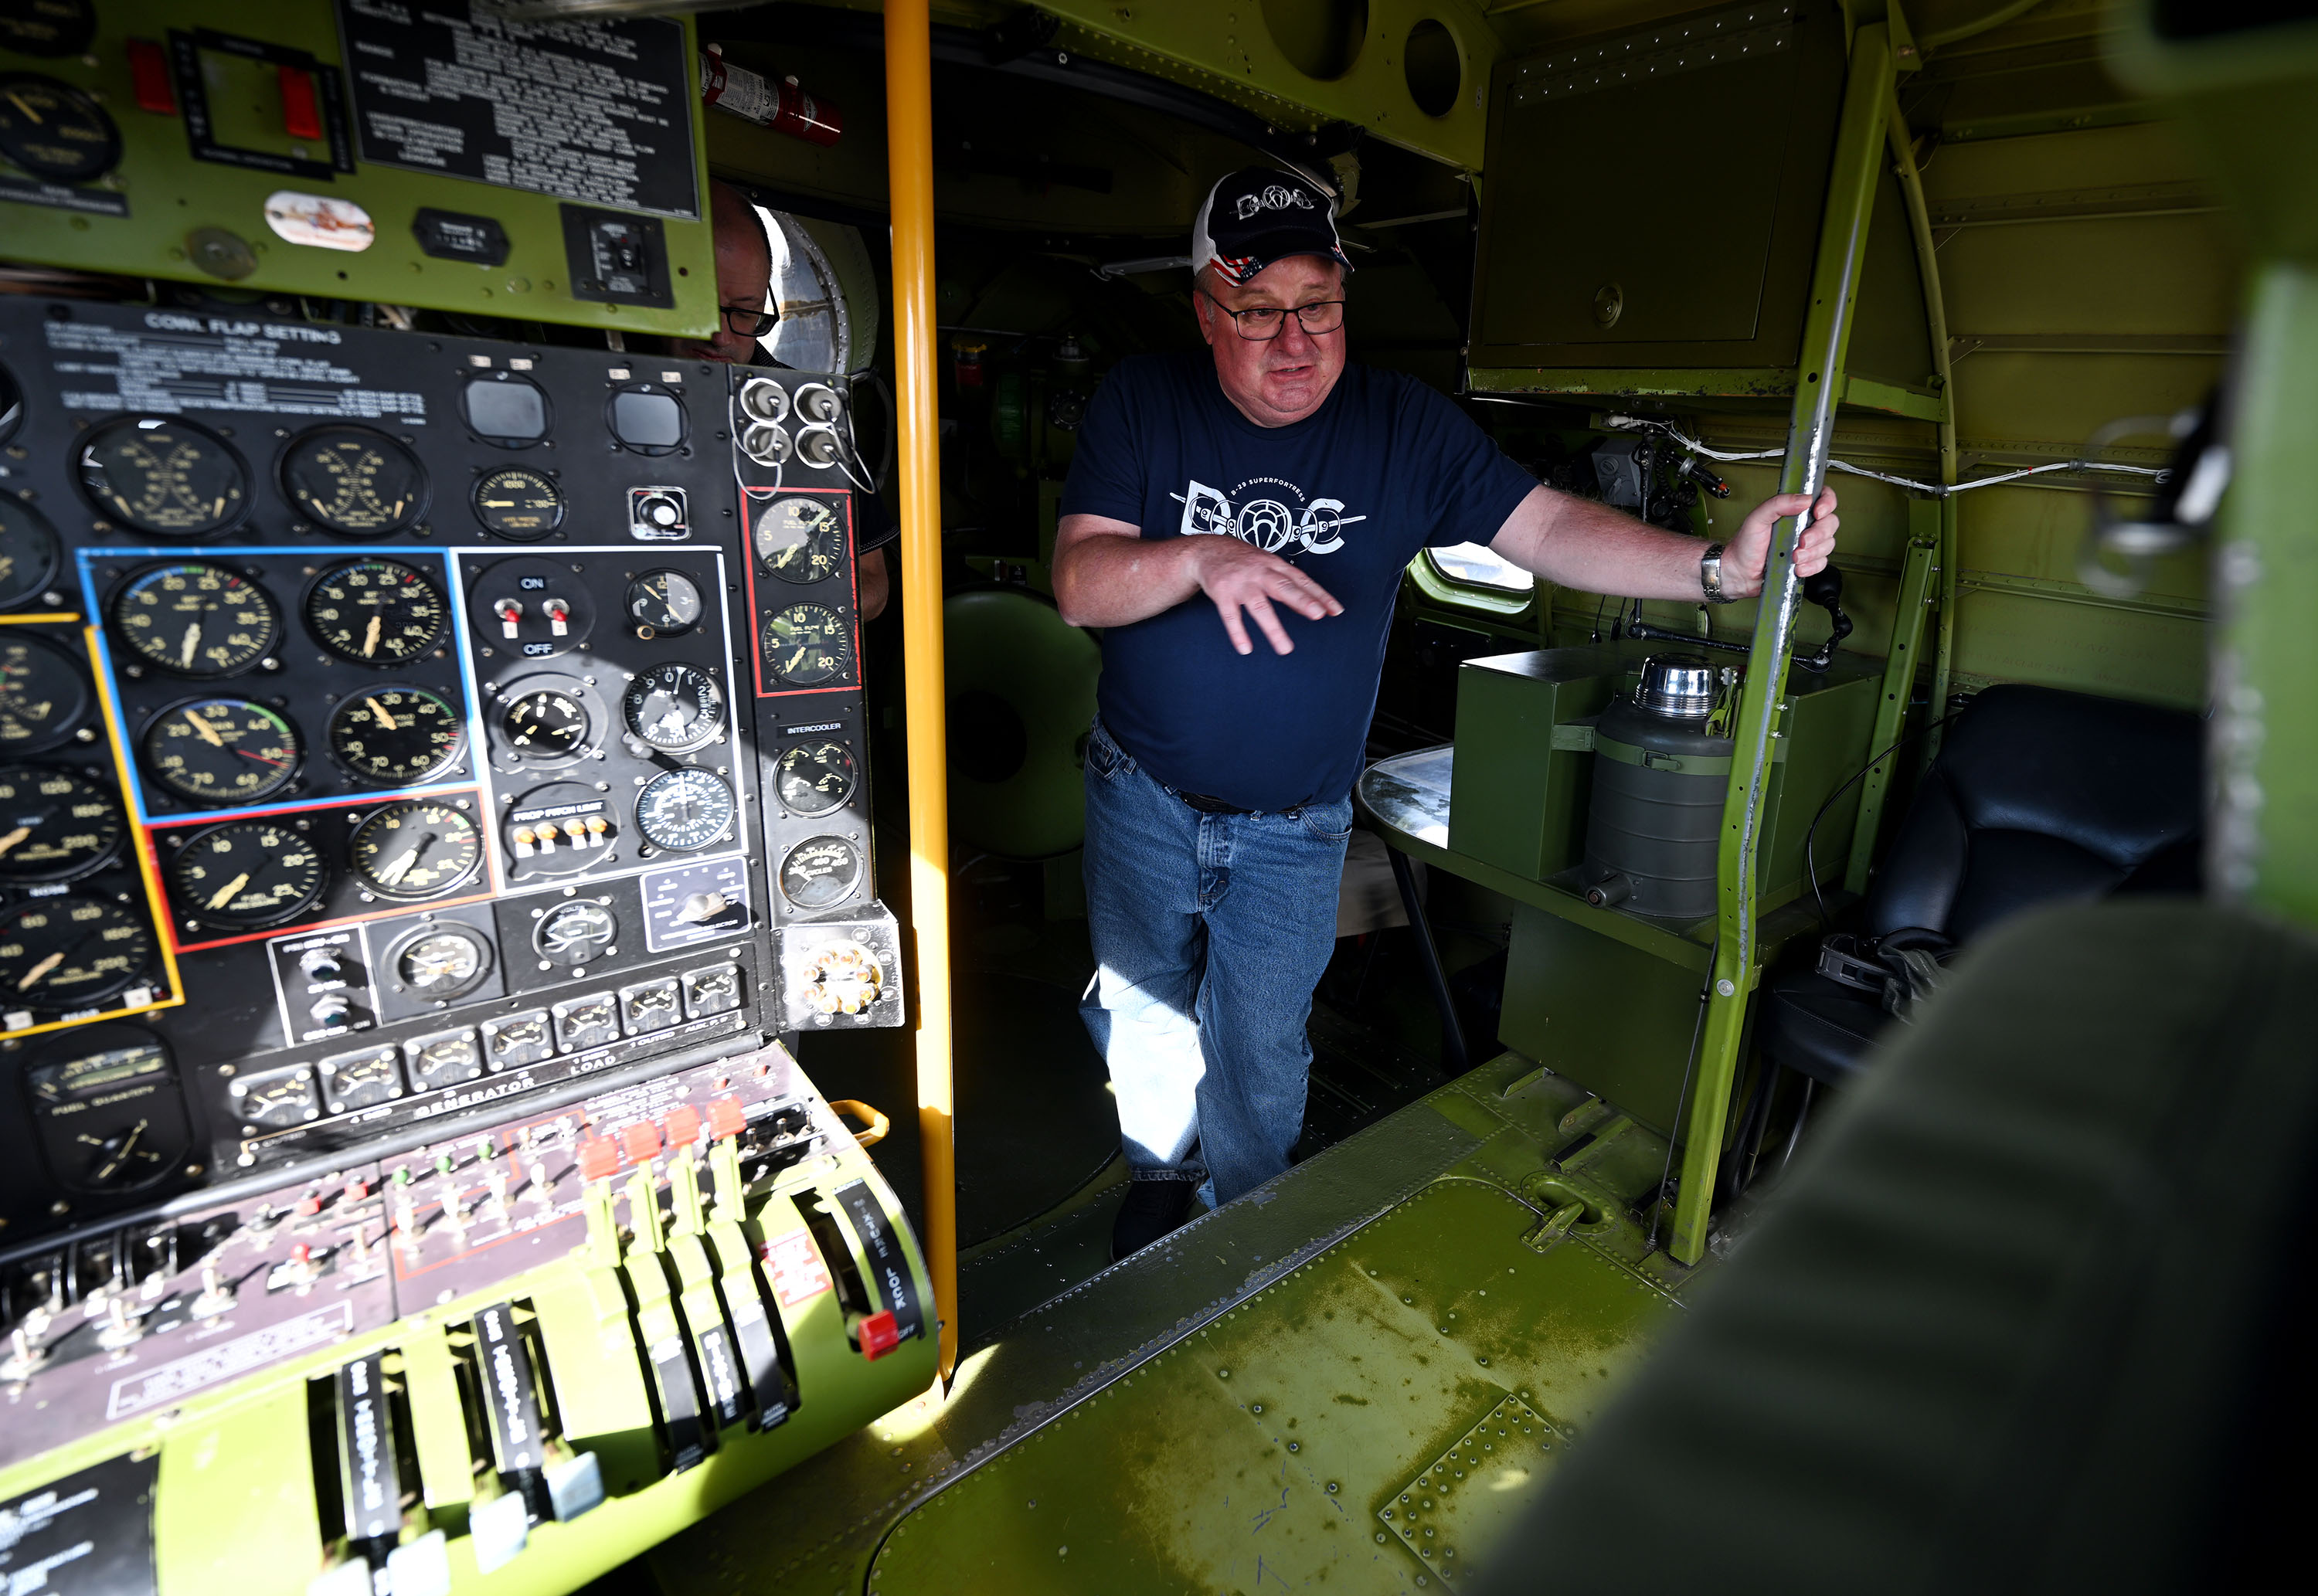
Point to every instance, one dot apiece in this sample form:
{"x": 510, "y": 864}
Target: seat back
{"x": 2041, "y": 796}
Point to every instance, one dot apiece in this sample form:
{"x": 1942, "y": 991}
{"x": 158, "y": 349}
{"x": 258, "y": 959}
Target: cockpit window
{"x": 815, "y": 331}
{"x": 1479, "y": 566}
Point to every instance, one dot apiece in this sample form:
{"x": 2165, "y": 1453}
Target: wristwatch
{"x": 1710, "y": 575}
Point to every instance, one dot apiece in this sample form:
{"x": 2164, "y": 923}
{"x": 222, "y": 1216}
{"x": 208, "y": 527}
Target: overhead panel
{"x": 1415, "y": 73}
{"x": 441, "y": 157}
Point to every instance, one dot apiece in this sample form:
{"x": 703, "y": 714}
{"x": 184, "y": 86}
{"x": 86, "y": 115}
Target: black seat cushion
{"x": 1821, "y": 1027}
{"x": 2037, "y": 797}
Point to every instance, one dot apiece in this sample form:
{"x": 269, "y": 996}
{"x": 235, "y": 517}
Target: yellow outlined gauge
{"x": 149, "y": 869}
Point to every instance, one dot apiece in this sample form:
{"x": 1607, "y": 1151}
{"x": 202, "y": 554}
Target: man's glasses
{"x": 1267, "y": 321}
{"x": 748, "y": 321}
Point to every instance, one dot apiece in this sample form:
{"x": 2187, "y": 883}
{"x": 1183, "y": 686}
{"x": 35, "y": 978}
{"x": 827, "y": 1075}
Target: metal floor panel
{"x": 1267, "y": 1448}
{"x": 815, "y": 1529}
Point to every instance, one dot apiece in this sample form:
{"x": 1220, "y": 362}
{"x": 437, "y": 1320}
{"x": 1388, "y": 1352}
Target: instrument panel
{"x": 414, "y": 706}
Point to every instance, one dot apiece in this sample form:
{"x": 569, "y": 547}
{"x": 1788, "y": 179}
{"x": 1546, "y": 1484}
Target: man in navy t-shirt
{"x": 1237, "y": 522}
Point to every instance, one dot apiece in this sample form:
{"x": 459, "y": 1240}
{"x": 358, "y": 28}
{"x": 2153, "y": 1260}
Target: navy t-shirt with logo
{"x": 1385, "y": 467}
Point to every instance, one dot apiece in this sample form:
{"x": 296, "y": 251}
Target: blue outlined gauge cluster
{"x": 297, "y": 679}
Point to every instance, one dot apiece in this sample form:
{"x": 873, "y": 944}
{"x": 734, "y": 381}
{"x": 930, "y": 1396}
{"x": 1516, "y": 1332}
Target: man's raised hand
{"x": 1238, "y": 576}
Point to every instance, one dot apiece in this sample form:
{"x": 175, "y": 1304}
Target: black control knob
{"x": 333, "y": 1010}
{"x": 322, "y": 964}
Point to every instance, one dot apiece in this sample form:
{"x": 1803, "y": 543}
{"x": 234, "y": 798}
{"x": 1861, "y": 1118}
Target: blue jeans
{"x": 1211, "y": 931}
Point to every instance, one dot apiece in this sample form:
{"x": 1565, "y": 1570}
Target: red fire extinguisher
{"x": 784, "y": 106}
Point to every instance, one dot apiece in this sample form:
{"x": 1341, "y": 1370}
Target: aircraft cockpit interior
{"x": 877, "y": 797}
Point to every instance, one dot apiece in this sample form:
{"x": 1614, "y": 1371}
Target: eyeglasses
{"x": 1267, "y": 321}
{"x": 748, "y": 321}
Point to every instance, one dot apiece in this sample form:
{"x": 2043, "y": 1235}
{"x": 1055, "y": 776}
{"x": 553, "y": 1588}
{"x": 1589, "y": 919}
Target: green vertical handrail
{"x": 1931, "y": 528}
{"x": 1819, "y": 379}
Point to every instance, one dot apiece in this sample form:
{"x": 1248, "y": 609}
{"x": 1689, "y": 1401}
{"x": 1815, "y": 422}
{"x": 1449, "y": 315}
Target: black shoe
{"x": 1152, "y": 1209}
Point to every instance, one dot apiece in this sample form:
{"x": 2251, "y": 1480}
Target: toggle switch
{"x": 510, "y": 613}
{"x": 683, "y": 1125}
{"x": 149, "y": 76}
{"x": 301, "y": 112}
{"x": 559, "y": 617}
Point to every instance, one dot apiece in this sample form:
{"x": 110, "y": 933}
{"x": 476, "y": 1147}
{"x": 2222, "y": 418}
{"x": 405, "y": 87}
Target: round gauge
{"x": 29, "y": 552}
{"x": 800, "y": 539}
{"x": 53, "y": 130}
{"x": 661, "y": 603}
{"x": 166, "y": 477}
{"x": 442, "y": 962}
{"x": 43, "y": 696}
{"x": 821, "y": 873}
{"x": 376, "y": 612}
{"x": 70, "y": 951}
{"x": 195, "y": 619}
{"x": 519, "y": 503}
{"x": 685, "y": 810}
{"x": 398, "y": 737}
{"x": 546, "y": 723}
{"x": 574, "y": 931}
{"x": 815, "y": 778}
{"x": 674, "y": 708}
{"x": 415, "y": 849}
{"x": 354, "y": 481}
{"x": 807, "y": 645}
{"x": 53, "y": 824}
{"x": 222, "y": 751}
{"x": 247, "y": 873}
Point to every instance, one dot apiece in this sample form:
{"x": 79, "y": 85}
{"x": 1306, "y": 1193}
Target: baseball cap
{"x": 1259, "y": 215}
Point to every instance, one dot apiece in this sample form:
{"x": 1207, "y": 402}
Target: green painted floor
{"x": 1431, "y": 1309}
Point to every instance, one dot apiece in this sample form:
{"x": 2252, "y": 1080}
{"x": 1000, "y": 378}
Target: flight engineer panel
{"x": 392, "y": 724}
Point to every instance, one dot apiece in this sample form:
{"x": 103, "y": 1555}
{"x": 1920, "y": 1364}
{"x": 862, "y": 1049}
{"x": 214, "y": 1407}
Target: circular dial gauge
{"x": 43, "y": 696}
{"x": 69, "y": 952}
{"x": 396, "y": 736}
{"x": 662, "y": 604}
{"x": 684, "y": 810}
{"x": 247, "y": 873}
{"x": 53, "y": 824}
{"x": 222, "y": 751}
{"x": 354, "y": 481}
{"x": 574, "y": 931}
{"x": 674, "y": 708}
{"x": 546, "y": 725}
{"x": 820, "y": 872}
{"x": 800, "y": 539}
{"x": 807, "y": 645}
{"x": 29, "y": 552}
{"x": 169, "y": 478}
{"x": 442, "y": 963}
{"x": 195, "y": 619}
{"x": 54, "y": 132}
{"x": 377, "y": 612}
{"x": 415, "y": 849}
{"x": 519, "y": 503}
{"x": 815, "y": 778}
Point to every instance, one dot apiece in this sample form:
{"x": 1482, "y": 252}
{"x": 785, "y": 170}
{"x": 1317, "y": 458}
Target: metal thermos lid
{"x": 1678, "y": 686}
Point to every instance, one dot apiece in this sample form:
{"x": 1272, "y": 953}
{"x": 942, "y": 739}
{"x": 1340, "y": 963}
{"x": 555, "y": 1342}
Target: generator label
{"x": 64, "y": 196}
{"x": 89, "y": 1534}
{"x": 597, "y": 111}
{"x": 173, "y": 1382}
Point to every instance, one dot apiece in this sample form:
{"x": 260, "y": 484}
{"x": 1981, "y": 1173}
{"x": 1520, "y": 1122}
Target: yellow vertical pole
{"x": 909, "y": 176}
